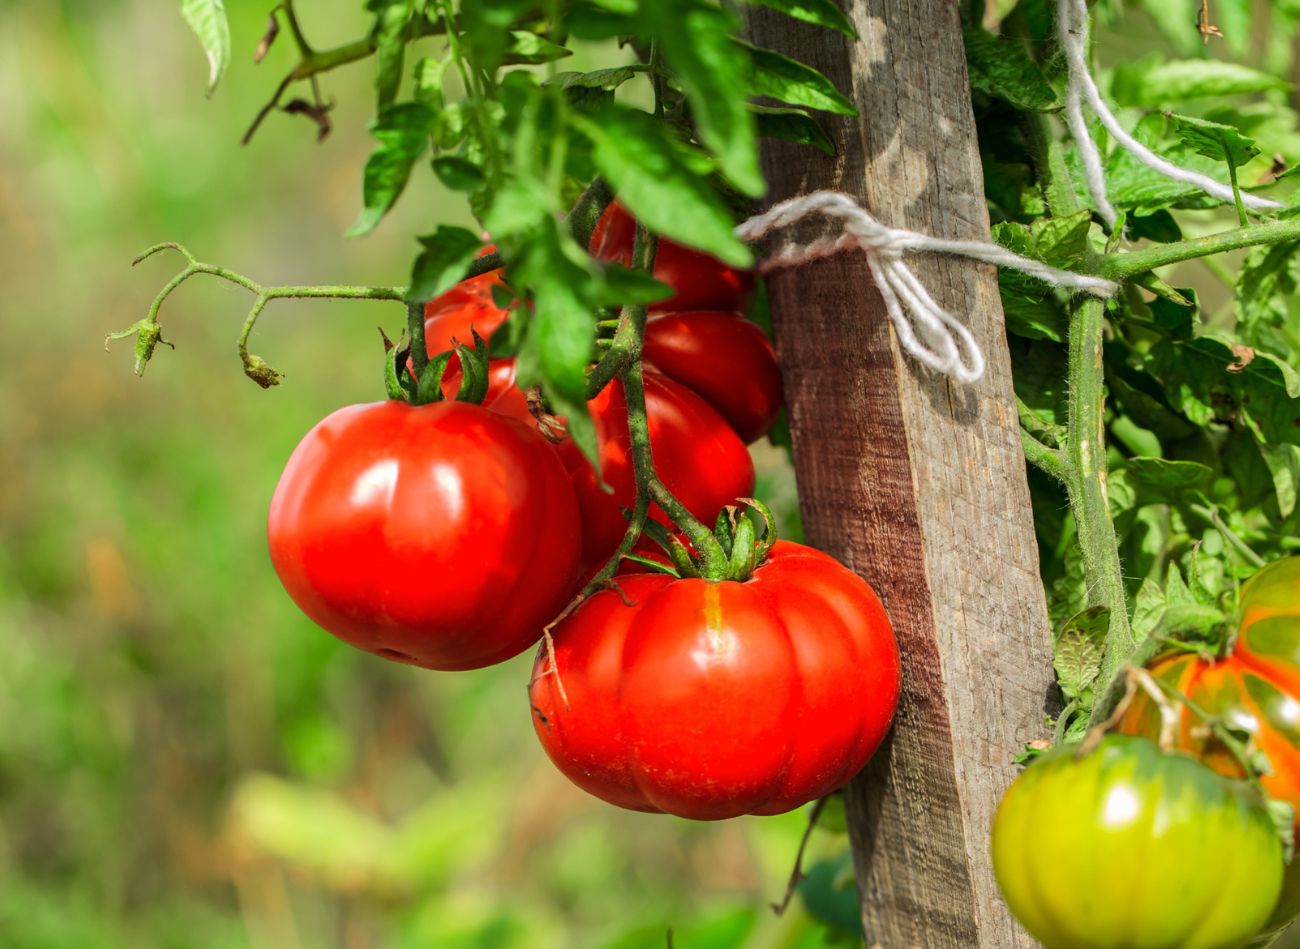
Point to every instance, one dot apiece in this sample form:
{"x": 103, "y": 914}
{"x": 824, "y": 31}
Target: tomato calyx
{"x": 404, "y": 383}
{"x": 744, "y": 546}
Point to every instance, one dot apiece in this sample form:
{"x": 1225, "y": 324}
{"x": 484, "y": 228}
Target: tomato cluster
{"x": 449, "y": 534}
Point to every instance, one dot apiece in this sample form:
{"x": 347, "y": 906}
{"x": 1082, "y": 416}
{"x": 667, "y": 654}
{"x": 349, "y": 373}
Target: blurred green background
{"x": 185, "y": 760}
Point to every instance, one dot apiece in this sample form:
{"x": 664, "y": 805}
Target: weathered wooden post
{"x": 915, "y": 481}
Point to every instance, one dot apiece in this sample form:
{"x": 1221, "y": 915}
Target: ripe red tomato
{"x": 698, "y": 456}
{"x": 444, "y": 535}
{"x": 1256, "y": 687}
{"x": 714, "y": 699}
{"x": 467, "y": 304}
{"x": 701, "y": 282}
{"x": 718, "y": 355}
{"x": 1128, "y": 846}
{"x": 722, "y": 357}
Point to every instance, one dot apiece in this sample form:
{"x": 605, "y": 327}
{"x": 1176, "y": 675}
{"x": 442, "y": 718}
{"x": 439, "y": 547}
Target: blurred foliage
{"x": 186, "y": 761}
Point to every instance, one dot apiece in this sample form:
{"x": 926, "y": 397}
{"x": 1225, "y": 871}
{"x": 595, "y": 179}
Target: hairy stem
{"x": 1085, "y": 469}
{"x": 1049, "y": 164}
{"x": 1131, "y": 264}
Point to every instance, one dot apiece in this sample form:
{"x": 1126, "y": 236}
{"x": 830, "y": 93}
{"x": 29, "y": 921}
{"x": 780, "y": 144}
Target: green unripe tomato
{"x": 1129, "y": 846}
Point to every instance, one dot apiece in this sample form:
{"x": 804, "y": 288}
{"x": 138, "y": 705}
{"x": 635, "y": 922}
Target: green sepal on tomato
{"x": 712, "y": 699}
{"x": 444, "y": 535}
{"x": 1126, "y": 845}
{"x": 1254, "y": 688}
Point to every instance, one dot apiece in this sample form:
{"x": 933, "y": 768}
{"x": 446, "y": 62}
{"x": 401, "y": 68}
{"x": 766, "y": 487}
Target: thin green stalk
{"x": 1049, "y": 164}
{"x": 587, "y": 210}
{"x": 1128, "y": 265}
{"x": 1236, "y": 194}
{"x": 415, "y": 325}
{"x": 647, "y": 479}
{"x": 1084, "y": 457}
{"x": 1212, "y": 516}
{"x": 1047, "y": 460}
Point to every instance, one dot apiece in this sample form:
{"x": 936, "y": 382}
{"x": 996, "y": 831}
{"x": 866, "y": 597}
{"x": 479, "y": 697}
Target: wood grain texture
{"x": 916, "y": 482}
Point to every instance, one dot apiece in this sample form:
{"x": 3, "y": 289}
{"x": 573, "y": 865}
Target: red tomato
{"x": 715, "y": 699}
{"x": 698, "y": 457}
{"x": 444, "y": 535}
{"x": 467, "y": 304}
{"x": 701, "y": 282}
{"x": 719, "y": 355}
{"x": 722, "y": 357}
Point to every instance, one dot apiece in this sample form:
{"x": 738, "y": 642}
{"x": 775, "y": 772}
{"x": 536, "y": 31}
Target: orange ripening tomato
{"x": 709, "y": 700}
{"x": 1256, "y": 687}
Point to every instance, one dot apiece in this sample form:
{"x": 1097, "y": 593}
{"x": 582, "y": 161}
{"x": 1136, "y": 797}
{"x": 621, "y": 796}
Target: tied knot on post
{"x": 926, "y": 331}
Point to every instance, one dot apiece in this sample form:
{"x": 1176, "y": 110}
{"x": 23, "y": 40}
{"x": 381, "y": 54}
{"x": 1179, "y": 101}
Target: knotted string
{"x": 1072, "y": 30}
{"x": 926, "y": 331}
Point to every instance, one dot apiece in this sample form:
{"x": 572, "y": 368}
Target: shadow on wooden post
{"x": 917, "y": 482}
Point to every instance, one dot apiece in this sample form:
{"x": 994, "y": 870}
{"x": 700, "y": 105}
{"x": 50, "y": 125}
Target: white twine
{"x": 926, "y": 331}
{"x": 1072, "y": 29}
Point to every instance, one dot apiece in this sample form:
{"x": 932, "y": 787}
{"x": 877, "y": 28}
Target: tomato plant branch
{"x": 1127, "y": 265}
{"x": 1054, "y": 180}
{"x": 1212, "y": 516}
{"x": 1047, "y": 460}
{"x": 632, "y": 376}
{"x": 148, "y": 332}
{"x": 1085, "y": 468}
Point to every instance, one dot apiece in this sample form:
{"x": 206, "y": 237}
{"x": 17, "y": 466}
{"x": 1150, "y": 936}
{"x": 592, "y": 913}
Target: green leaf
{"x": 625, "y": 286}
{"x": 1161, "y": 481}
{"x": 427, "y": 82}
{"x": 1059, "y": 241}
{"x": 821, "y": 12}
{"x": 606, "y": 79}
{"x": 520, "y": 206}
{"x": 524, "y": 48}
{"x": 561, "y": 328}
{"x": 207, "y": 18}
{"x": 831, "y": 898}
{"x": 635, "y": 154}
{"x": 1214, "y": 140}
{"x": 1031, "y": 315}
{"x": 458, "y": 174}
{"x": 1268, "y": 275}
{"x": 1134, "y": 186}
{"x": 790, "y": 81}
{"x": 1214, "y": 379}
{"x": 696, "y": 39}
{"x": 1283, "y": 463}
{"x": 1077, "y": 653}
{"x": 390, "y": 49}
{"x": 447, "y": 252}
{"x": 1002, "y": 68}
{"x": 403, "y": 134}
{"x": 792, "y": 125}
{"x": 1153, "y": 82}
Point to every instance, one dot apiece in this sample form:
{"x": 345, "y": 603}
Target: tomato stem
{"x": 255, "y": 367}
{"x": 1086, "y": 469}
